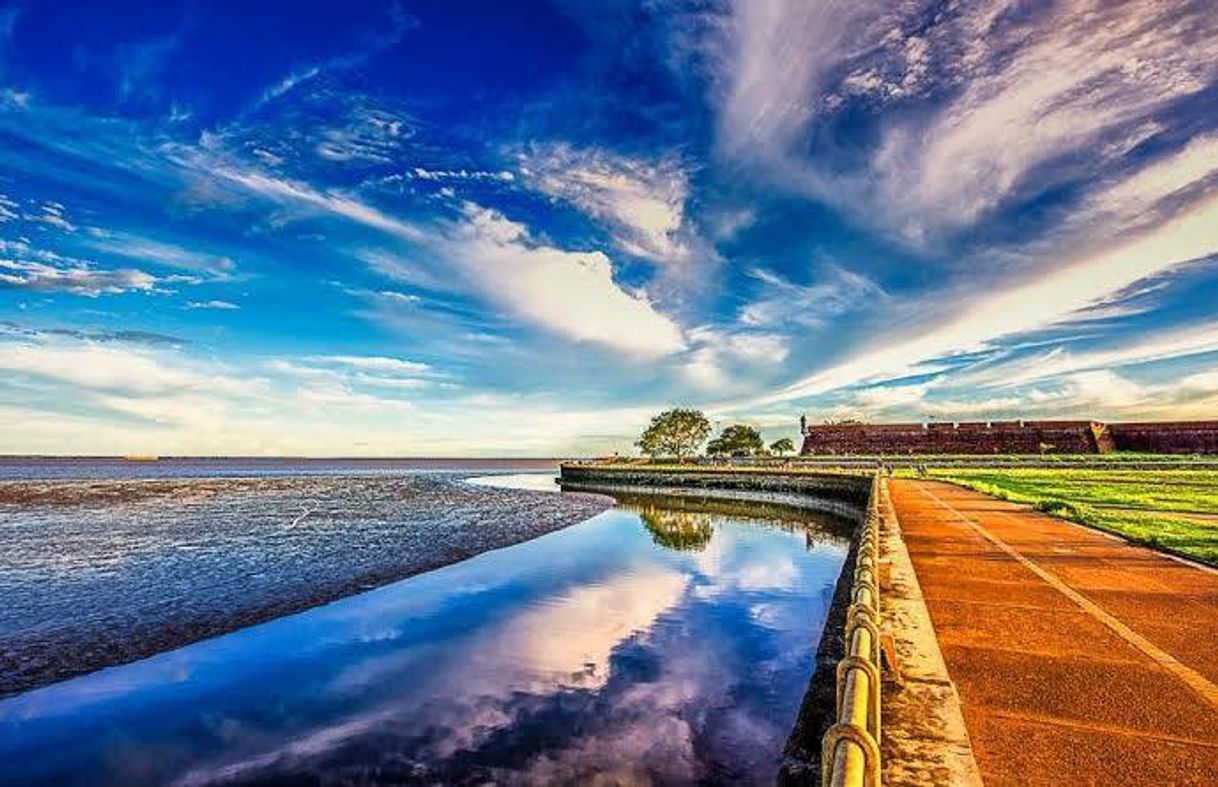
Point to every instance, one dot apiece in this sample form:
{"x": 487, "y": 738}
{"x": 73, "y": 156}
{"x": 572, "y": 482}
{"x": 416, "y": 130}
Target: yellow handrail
{"x": 850, "y": 750}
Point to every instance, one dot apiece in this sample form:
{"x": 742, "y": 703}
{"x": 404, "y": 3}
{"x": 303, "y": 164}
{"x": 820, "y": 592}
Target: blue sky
{"x": 425, "y": 228}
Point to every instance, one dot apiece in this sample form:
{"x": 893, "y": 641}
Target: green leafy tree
{"x": 675, "y": 432}
{"x": 737, "y": 440}
{"x": 782, "y": 446}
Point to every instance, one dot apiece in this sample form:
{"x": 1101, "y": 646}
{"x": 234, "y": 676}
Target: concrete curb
{"x": 925, "y": 739}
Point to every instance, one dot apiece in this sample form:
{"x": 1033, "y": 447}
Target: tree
{"x": 675, "y": 432}
{"x": 737, "y": 440}
{"x": 782, "y": 446}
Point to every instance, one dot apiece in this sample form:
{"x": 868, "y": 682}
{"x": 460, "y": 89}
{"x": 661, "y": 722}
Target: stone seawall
{"x": 844, "y": 494}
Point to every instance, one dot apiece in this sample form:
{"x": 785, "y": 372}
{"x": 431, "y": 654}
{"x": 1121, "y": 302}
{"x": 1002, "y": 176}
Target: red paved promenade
{"x": 1079, "y": 659}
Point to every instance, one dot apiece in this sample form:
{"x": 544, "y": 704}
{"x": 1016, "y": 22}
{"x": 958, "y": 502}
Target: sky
{"x": 485, "y": 228}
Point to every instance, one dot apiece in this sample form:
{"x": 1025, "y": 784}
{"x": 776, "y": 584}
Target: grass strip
{"x": 1162, "y": 509}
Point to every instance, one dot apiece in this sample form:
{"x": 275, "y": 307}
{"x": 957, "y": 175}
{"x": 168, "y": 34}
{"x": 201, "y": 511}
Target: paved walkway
{"x": 1079, "y": 658}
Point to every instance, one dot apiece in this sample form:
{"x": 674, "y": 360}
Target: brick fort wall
{"x": 1012, "y": 437}
{"x": 1167, "y": 437}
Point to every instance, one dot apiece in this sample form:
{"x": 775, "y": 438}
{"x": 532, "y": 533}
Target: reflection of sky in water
{"x": 536, "y": 482}
{"x": 592, "y": 650}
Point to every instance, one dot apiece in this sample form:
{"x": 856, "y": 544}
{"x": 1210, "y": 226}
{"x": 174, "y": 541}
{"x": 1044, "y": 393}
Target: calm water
{"x": 657, "y": 643}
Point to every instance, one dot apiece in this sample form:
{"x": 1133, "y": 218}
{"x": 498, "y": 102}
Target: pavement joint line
{"x": 1108, "y": 561}
{"x": 1163, "y": 588}
{"x": 1120, "y": 539}
{"x": 1000, "y": 604}
{"x": 1190, "y": 677}
{"x": 1112, "y": 729}
{"x": 948, "y": 642}
{"x": 1111, "y": 563}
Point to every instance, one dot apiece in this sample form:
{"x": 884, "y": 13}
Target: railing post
{"x": 850, "y": 751}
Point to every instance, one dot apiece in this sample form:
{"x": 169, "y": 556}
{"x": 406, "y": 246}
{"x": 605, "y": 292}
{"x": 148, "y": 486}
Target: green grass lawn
{"x": 1167, "y": 509}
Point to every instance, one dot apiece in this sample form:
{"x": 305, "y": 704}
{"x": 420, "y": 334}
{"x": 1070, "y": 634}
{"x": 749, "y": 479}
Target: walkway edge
{"x": 925, "y": 739}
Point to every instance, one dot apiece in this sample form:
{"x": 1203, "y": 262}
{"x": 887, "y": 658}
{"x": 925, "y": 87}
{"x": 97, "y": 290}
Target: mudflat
{"x": 102, "y": 572}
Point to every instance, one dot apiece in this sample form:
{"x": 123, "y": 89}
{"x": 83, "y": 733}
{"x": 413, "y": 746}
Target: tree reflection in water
{"x": 681, "y": 530}
{"x": 687, "y": 523}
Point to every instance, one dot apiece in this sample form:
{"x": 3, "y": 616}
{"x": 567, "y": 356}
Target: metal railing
{"x": 850, "y": 750}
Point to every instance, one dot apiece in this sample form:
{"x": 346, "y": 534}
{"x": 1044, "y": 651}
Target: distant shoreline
{"x": 556, "y": 460}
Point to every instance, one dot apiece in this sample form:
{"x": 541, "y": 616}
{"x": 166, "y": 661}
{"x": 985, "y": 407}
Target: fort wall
{"x": 1167, "y": 437}
{"x": 1011, "y": 437}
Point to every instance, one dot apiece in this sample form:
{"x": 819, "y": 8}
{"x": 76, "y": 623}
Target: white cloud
{"x": 836, "y": 292}
{"x": 1105, "y": 392}
{"x": 571, "y": 638}
{"x": 8, "y": 209}
{"x": 1046, "y": 300}
{"x": 1075, "y": 83}
{"x": 883, "y": 397}
{"x": 1132, "y": 197}
{"x": 422, "y": 173}
{"x": 704, "y": 369}
{"x": 389, "y": 32}
{"x": 292, "y": 192}
{"x": 339, "y": 376}
{"x": 568, "y": 292}
{"x": 1202, "y": 384}
{"x": 375, "y": 363}
{"x": 81, "y": 394}
{"x": 113, "y": 369}
{"x": 290, "y": 81}
{"x": 322, "y": 384}
{"x": 157, "y": 252}
{"x": 52, "y": 214}
{"x": 76, "y": 278}
{"x": 217, "y": 305}
{"x": 772, "y": 67}
{"x": 642, "y": 202}
{"x": 1086, "y": 71}
{"x": 725, "y": 359}
{"x": 1144, "y": 348}
{"x": 370, "y": 135}
{"x": 1099, "y": 393}
{"x": 404, "y": 268}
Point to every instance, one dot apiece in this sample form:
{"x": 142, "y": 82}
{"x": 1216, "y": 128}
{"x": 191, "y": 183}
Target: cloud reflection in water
{"x": 589, "y": 652}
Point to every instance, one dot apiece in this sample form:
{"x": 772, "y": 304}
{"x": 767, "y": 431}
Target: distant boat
{"x": 141, "y": 458}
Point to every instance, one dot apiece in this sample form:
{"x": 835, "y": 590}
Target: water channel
{"x": 664, "y": 641}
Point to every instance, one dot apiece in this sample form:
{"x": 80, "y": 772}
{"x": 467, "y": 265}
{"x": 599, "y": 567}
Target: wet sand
{"x": 98, "y": 573}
